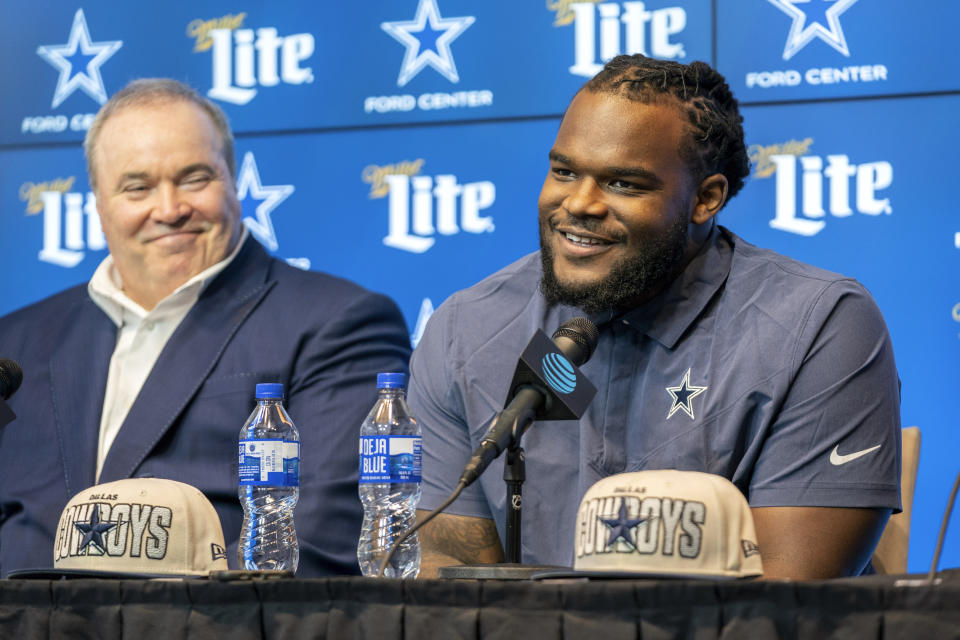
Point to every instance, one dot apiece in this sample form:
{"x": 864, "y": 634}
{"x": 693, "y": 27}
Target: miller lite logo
{"x": 244, "y": 59}
{"x": 604, "y": 30}
{"x": 421, "y": 207}
{"x": 71, "y": 225}
{"x": 820, "y": 185}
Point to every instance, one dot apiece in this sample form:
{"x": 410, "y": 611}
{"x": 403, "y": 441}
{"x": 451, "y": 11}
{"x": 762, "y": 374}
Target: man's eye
{"x": 135, "y": 188}
{"x": 560, "y": 172}
{"x": 624, "y": 185}
{"x": 196, "y": 181}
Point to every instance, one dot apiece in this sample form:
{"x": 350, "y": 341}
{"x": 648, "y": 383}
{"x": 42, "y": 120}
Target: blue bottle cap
{"x": 391, "y": 380}
{"x": 269, "y": 390}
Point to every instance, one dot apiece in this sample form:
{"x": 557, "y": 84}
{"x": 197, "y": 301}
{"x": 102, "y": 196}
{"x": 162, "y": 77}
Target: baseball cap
{"x": 663, "y": 524}
{"x": 136, "y": 528}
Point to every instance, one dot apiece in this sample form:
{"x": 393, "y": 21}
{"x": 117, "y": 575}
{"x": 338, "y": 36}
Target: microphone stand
{"x": 514, "y": 473}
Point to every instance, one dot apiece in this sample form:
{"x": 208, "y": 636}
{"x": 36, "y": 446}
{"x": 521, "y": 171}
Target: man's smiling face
{"x": 616, "y": 204}
{"x": 167, "y": 201}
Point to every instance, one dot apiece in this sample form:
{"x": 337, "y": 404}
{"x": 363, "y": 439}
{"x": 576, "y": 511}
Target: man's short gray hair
{"x": 152, "y": 90}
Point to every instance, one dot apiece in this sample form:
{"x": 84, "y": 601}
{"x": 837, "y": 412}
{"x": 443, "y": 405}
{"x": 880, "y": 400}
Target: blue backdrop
{"x": 402, "y": 144}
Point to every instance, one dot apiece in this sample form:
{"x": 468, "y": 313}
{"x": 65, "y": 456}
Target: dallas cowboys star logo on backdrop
{"x": 804, "y": 29}
{"x": 426, "y": 310}
{"x": 87, "y": 61}
{"x": 93, "y": 530}
{"x": 250, "y": 191}
{"x": 682, "y": 396}
{"x": 621, "y": 526}
{"x": 431, "y": 45}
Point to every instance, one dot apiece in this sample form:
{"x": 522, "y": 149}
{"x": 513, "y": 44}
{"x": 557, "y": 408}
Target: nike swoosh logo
{"x": 836, "y": 459}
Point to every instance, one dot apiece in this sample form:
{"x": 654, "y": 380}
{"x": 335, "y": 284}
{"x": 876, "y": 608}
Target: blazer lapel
{"x": 78, "y": 378}
{"x": 188, "y": 358}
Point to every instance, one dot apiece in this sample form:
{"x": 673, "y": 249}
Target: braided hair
{"x": 716, "y": 142}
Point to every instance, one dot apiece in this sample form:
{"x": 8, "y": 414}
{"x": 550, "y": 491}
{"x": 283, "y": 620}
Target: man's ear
{"x": 711, "y": 196}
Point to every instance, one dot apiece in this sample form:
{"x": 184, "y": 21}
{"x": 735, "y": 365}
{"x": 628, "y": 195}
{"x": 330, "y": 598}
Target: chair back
{"x": 890, "y": 556}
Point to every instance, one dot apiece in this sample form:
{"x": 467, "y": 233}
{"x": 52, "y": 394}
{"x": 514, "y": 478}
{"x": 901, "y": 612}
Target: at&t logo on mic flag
{"x": 559, "y": 373}
{"x": 542, "y": 361}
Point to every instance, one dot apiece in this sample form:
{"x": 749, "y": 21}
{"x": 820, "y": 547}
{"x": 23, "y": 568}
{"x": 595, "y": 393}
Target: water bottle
{"x": 269, "y": 485}
{"x": 390, "y": 461}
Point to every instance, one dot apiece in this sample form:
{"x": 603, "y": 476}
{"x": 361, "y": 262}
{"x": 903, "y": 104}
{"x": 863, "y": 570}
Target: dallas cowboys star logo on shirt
{"x": 683, "y": 395}
{"x": 250, "y": 192}
{"x": 621, "y": 526}
{"x": 431, "y": 45}
{"x": 803, "y": 29}
{"x": 93, "y": 530}
{"x": 87, "y": 61}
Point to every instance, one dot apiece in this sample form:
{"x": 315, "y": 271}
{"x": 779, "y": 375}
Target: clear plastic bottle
{"x": 390, "y": 461}
{"x": 269, "y": 485}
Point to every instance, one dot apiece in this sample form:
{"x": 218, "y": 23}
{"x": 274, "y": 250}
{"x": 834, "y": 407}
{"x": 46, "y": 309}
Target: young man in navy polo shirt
{"x": 713, "y": 355}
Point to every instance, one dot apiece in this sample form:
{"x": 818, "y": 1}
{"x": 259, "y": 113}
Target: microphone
{"x": 546, "y": 386}
{"x": 11, "y": 375}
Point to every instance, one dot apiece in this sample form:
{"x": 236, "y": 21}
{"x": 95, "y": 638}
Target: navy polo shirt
{"x": 772, "y": 373}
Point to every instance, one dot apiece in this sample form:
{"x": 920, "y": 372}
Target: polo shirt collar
{"x": 667, "y": 317}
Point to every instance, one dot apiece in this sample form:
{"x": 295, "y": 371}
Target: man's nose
{"x": 171, "y": 207}
{"x": 586, "y": 198}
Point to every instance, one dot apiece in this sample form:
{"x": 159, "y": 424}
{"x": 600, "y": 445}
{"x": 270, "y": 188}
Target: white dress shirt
{"x": 141, "y": 336}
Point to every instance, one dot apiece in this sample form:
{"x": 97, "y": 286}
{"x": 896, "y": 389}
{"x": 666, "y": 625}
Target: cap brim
{"x": 571, "y": 574}
{"x": 76, "y": 574}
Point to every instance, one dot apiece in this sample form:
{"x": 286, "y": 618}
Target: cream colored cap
{"x": 666, "y": 523}
{"x": 141, "y": 526}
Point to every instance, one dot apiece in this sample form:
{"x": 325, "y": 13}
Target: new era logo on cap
{"x": 142, "y": 527}
{"x": 665, "y": 523}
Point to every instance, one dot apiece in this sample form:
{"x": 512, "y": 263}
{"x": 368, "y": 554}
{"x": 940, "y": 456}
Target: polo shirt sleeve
{"x": 435, "y": 397}
{"x": 836, "y": 439}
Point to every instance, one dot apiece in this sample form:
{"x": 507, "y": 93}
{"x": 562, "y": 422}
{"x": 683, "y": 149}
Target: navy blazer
{"x": 259, "y": 320}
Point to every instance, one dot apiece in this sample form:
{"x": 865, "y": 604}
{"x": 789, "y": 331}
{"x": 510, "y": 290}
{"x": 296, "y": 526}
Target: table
{"x": 392, "y": 609}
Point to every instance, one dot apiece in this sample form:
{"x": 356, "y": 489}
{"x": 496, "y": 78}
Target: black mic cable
{"x": 412, "y": 530}
{"x": 943, "y": 530}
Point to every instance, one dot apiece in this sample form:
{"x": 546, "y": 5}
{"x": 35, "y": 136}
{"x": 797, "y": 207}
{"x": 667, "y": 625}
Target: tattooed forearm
{"x": 467, "y": 540}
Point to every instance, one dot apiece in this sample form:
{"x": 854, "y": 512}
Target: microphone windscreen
{"x": 584, "y": 336}
{"x": 11, "y": 375}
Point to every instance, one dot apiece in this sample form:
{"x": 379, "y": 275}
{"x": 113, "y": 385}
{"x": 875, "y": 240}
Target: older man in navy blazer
{"x": 150, "y": 368}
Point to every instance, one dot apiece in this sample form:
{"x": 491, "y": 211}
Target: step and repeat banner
{"x": 403, "y": 143}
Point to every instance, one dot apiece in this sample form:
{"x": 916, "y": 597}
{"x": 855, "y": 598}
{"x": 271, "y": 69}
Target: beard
{"x": 634, "y": 278}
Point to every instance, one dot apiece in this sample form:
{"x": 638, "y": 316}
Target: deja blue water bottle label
{"x": 390, "y": 459}
{"x": 272, "y": 463}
